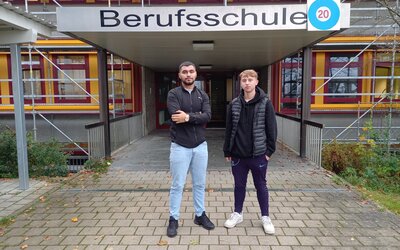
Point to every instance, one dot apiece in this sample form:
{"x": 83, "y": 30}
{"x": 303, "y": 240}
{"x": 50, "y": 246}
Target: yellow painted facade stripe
{"x": 94, "y": 86}
{"x": 4, "y": 86}
{"x": 66, "y": 42}
{"x": 48, "y": 73}
{"x": 55, "y": 107}
{"x": 320, "y": 72}
{"x": 358, "y": 39}
{"x": 352, "y": 107}
{"x": 366, "y": 71}
{"x": 73, "y": 52}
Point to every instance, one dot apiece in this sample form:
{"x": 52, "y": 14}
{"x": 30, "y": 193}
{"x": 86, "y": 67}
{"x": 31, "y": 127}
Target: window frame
{"x": 84, "y": 66}
{"x": 383, "y": 64}
{"x": 329, "y": 65}
{"x": 40, "y": 67}
{"x": 125, "y": 66}
{"x": 289, "y": 66}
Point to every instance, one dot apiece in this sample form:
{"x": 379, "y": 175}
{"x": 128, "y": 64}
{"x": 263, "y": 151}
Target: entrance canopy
{"x": 217, "y": 38}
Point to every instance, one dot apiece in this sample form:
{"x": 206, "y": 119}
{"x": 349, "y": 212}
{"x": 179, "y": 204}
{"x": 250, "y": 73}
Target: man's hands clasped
{"x": 179, "y": 117}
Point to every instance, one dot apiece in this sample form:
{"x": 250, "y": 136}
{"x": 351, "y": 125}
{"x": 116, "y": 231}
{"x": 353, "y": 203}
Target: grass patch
{"x": 6, "y": 221}
{"x": 98, "y": 166}
{"x": 389, "y": 201}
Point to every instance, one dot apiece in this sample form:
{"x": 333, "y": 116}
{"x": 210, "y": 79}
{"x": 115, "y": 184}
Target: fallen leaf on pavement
{"x": 25, "y": 246}
{"x": 42, "y": 199}
{"x": 194, "y": 242}
{"x": 162, "y": 243}
{"x": 74, "y": 219}
{"x": 1, "y": 231}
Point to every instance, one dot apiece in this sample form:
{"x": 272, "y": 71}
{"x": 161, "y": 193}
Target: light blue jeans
{"x": 182, "y": 160}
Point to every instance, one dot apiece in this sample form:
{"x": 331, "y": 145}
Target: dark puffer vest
{"x": 251, "y": 128}
{"x": 259, "y": 142}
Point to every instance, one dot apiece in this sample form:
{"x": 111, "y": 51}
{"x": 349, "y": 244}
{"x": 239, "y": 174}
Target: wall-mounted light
{"x": 205, "y": 66}
{"x": 203, "y": 45}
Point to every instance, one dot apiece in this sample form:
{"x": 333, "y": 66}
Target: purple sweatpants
{"x": 240, "y": 170}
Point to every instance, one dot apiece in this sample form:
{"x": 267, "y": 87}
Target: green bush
{"x": 337, "y": 157}
{"x": 8, "y": 154}
{"x": 47, "y": 159}
{"x": 44, "y": 158}
{"x": 97, "y": 166}
{"x": 367, "y": 163}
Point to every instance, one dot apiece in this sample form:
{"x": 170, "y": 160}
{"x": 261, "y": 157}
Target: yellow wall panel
{"x": 367, "y": 71}
{"x": 319, "y": 71}
{"x": 94, "y": 85}
{"x": 4, "y": 86}
{"x": 48, "y": 74}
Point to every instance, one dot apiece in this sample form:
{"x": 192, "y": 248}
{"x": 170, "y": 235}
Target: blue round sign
{"x": 331, "y": 21}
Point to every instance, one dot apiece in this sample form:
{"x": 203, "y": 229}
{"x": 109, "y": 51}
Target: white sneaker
{"x": 267, "y": 225}
{"x": 234, "y": 219}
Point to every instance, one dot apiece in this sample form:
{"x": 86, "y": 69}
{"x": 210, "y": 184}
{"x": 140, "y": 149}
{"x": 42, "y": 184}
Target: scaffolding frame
{"x": 393, "y": 26}
{"x": 31, "y": 81}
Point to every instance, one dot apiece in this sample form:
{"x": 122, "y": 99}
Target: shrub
{"x": 337, "y": 157}
{"x": 44, "y": 158}
{"x": 368, "y": 163}
{"x": 47, "y": 159}
{"x": 97, "y": 166}
{"x": 8, "y": 154}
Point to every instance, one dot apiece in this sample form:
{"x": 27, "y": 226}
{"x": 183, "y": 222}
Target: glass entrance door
{"x": 215, "y": 85}
{"x": 164, "y": 83}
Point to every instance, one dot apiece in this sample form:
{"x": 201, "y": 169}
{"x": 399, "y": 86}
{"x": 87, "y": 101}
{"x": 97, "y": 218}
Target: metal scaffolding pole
{"x": 18, "y": 95}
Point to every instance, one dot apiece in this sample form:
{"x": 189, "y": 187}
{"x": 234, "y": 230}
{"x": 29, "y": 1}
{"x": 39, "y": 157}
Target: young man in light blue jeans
{"x": 190, "y": 111}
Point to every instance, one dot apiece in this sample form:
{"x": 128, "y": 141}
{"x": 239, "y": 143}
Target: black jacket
{"x": 243, "y": 141}
{"x": 197, "y": 105}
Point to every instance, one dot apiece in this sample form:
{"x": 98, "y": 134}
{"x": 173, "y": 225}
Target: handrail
{"x": 99, "y": 124}
{"x": 289, "y": 135}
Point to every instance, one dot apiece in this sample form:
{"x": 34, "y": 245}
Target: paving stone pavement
{"x": 127, "y": 208}
{"x": 13, "y": 199}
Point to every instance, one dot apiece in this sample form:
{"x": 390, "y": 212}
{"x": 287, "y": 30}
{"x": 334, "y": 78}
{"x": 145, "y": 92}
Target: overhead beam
{"x": 17, "y": 19}
{"x": 18, "y": 36}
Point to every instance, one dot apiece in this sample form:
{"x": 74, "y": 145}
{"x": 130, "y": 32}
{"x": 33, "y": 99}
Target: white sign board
{"x": 194, "y": 19}
{"x": 323, "y": 15}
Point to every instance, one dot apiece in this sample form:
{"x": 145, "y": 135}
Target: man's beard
{"x": 187, "y": 83}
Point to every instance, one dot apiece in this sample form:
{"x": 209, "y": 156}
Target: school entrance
{"x": 218, "y": 86}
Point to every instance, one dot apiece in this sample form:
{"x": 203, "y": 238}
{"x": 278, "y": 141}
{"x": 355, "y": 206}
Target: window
{"x": 120, "y": 89}
{"x": 75, "y": 67}
{"x": 384, "y": 68}
{"x": 33, "y": 86}
{"x": 344, "y": 85}
{"x": 292, "y": 76}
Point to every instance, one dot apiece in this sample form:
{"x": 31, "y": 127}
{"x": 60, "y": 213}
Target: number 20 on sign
{"x": 323, "y": 15}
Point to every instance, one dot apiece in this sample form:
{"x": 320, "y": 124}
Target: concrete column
{"x": 103, "y": 99}
{"x": 306, "y": 98}
{"x": 18, "y": 96}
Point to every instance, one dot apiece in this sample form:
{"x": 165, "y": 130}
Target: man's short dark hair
{"x": 185, "y": 64}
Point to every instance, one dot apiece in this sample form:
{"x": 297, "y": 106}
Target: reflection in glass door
{"x": 164, "y": 82}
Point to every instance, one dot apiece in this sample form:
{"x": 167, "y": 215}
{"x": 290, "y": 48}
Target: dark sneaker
{"x": 204, "y": 221}
{"x": 172, "y": 227}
